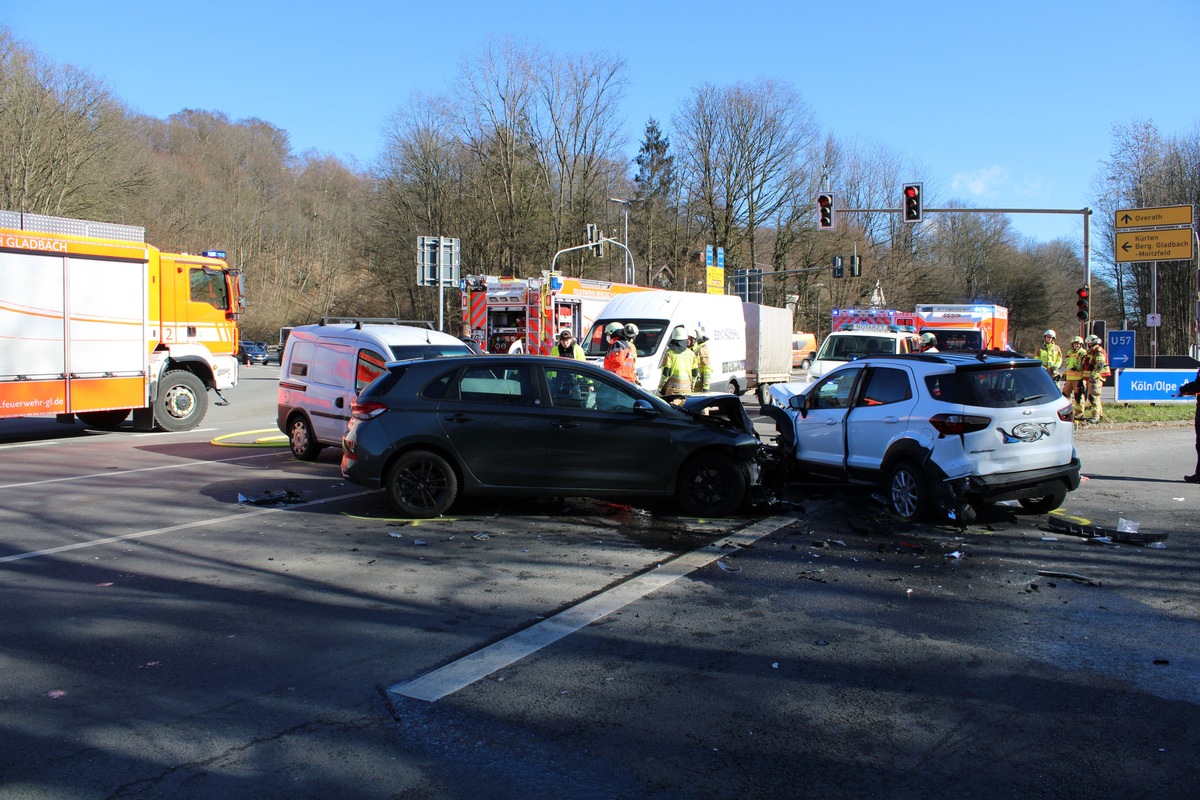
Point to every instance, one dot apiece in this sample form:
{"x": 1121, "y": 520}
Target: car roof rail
{"x": 358, "y": 322}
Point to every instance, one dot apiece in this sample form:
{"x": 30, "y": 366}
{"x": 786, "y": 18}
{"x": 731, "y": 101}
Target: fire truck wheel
{"x": 302, "y": 440}
{"x": 421, "y": 484}
{"x": 182, "y": 401}
{"x": 710, "y": 485}
{"x": 104, "y": 420}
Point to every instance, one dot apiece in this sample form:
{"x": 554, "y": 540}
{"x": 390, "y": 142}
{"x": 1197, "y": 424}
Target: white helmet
{"x": 1050, "y": 333}
{"x": 631, "y": 330}
{"x": 612, "y": 329}
{"x": 928, "y": 339}
{"x": 1077, "y": 340}
{"x": 679, "y": 334}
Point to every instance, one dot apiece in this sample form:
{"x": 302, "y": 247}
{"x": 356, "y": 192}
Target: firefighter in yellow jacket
{"x": 698, "y": 344}
{"x": 1095, "y": 370}
{"x": 679, "y": 366}
{"x": 1072, "y": 367}
{"x": 1051, "y": 354}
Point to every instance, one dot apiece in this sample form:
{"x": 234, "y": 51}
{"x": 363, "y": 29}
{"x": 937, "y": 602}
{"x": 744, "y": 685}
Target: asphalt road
{"x": 162, "y": 638}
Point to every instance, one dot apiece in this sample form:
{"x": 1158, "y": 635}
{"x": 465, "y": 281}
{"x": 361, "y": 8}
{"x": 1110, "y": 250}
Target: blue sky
{"x": 997, "y": 104}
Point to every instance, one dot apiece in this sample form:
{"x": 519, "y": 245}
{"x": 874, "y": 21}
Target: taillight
{"x": 958, "y": 424}
{"x": 367, "y": 409}
{"x": 1067, "y": 413}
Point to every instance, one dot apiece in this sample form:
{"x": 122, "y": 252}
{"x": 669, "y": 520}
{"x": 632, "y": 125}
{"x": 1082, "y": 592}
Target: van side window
{"x": 301, "y": 356}
{"x": 370, "y": 366}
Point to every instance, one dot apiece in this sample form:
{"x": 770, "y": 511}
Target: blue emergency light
{"x": 214, "y": 254}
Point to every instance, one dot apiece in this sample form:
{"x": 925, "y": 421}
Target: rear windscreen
{"x": 998, "y": 387}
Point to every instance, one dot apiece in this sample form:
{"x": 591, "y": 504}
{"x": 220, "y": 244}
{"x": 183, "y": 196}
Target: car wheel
{"x": 302, "y": 440}
{"x": 710, "y": 485}
{"x": 764, "y": 397}
{"x": 182, "y": 401}
{"x": 1043, "y": 505}
{"x": 805, "y": 364}
{"x": 733, "y": 388}
{"x": 907, "y": 492}
{"x": 421, "y": 484}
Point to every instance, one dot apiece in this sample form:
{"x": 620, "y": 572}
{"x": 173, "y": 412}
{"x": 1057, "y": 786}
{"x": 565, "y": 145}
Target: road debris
{"x": 728, "y": 567}
{"x": 1070, "y": 576}
{"x": 271, "y": 498}
{"x": 481, "y": 536}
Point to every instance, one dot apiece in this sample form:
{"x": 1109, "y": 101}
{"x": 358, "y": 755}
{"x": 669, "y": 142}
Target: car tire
{"x": 302, "y": 440}
{"x": 421, "y": 484}
{"x": 1044, "y": 505}
{"x": 710, "y": 485}
{"x": 182, "y": 401}
{"x": 805, "y": 364}
{"x": 908, "y": 492}
{"x": 764, "y": 397}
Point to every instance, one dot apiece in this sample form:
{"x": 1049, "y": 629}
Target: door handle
{"x": 459, "y": 418}
{"x": 891, "y": 420}
{"x": 562, "y": 424}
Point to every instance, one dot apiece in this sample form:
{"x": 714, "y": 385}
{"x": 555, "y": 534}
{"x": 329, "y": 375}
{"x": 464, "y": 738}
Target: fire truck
{"x": 865, "y": 319}
{"x": 524, "y": 315}
{"x": 972, "y": 326}
{"x": 97, "y": 324}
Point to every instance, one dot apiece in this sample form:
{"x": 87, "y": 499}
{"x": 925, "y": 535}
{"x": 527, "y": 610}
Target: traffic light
{"x": 1083, "y": 303}
{"x": 838, "y": 270}
{"x": 855, "y": 267}
{"x": 912, "y": 202}
{"x": 596, "y": 239}
{"x": 826, "y": 212}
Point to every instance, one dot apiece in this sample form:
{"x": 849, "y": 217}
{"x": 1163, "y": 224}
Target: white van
{"x": 657, "y": 313}
{"x": 325, "y": 367}
{"x": 853, "y": 342}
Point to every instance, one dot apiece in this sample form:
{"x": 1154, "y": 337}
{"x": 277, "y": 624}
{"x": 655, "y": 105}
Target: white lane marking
{"x": 468, "y": 669}
{"x": 140, "y": 469}
{"x": 181, "y": 527}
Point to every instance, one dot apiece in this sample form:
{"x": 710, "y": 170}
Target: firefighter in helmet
{"x": 928, "y": 343}
{"x": 1095, "y": 370}
{"x": 1072, "y": 369}
{"x": 679, "y": 366}
{"x": 621, "y": 358}
{"x": 698, "y": 343}
{"x": 1050, "y": 354}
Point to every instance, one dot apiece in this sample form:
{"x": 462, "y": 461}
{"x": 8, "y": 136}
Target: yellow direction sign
{"x": 1153, "y": 217}
{"x": 1172, "y": 244}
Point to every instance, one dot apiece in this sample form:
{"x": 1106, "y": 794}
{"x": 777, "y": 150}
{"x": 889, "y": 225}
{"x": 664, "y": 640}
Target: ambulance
{"x": 969, "y": 326}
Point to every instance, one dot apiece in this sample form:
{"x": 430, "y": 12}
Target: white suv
{"x": 951, "y": 431}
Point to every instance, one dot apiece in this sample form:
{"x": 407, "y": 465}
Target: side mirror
{"x": 642, "y": 408}
{"x": 798, "y": 403}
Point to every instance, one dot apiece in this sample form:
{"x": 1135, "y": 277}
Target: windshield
{"x": 948, "y": 341}
{"x": 855, "y": 346}
{"x": 650, "y": 333}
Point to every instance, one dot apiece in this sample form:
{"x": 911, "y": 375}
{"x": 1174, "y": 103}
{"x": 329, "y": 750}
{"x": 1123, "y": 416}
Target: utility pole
{"x": 625, "y": 209}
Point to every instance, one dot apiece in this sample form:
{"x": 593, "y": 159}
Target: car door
{"x": 597, "y": 441}
{"x": 880, "y": 415}
{"x": 493, "y": 418}
{"x": 820, "y": 430}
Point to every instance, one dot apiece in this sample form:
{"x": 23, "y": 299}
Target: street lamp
{"x": 625, "y": 210}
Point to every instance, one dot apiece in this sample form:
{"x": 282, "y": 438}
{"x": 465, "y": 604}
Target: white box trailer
{"x": 768, "y": 348}
{"x": 657, "y": 313}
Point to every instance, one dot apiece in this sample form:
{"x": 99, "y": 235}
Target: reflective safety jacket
{"x": 1052, "y": 356}
{"x": 622, "y": 360}
{"x": 1073, "y": 364}
{"x": 1095, "y": 364}
{"x": 703, "y": 366}
{"x": 574, "y": 351}
{"x": 678, "y": 372}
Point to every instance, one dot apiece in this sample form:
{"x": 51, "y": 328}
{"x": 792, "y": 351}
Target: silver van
{"x": 325, "y": 367}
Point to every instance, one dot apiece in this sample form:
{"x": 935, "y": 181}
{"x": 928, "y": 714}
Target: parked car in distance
{"x": 951, "y": 431}
{"x": 428, "y": 432}
{"x": 251, "y": 353}
{"x": 804, "y": 350}
{"x": 325, "y": 366}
